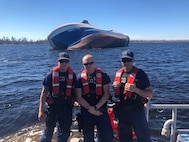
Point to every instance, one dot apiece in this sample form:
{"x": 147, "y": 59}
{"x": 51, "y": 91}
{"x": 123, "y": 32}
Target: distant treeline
{"x": 13, "y": 40}
{"x": 157, "y": 41}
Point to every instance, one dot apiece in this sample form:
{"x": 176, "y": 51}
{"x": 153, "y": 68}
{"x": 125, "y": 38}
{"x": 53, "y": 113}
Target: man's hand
{"x": 94, "y": 111}
{"x": 41, "y": 115}
{"x": 130, "y": 87}
{"x": 116, "y": 85}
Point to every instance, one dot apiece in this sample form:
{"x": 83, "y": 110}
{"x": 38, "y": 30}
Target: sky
{"x": 139, "y": 19}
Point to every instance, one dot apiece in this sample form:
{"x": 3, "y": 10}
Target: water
{"x": 23, "y": 67}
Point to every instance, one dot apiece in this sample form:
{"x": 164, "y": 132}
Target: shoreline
{"x": 156, "y": 41}
{"x": 131, "y": 41}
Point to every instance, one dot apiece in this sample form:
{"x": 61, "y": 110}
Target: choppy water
{"x": 23, "y": 67}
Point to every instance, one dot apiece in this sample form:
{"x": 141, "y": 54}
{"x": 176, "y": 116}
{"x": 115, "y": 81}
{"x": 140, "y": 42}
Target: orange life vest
{"x": 56, "y": 84}
{"x": 130, "y": 79}
{"x": 85, "y": 83}
{"x": 112, "y": 118}
{"x": 115, "y": 125}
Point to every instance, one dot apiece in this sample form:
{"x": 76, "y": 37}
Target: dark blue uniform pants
{"x": 102, "y": 123}
{"x": 133, "y": 120}
{"x": 62, "y": 116}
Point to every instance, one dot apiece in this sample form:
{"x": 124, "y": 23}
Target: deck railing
{"x": 171, "y": 123}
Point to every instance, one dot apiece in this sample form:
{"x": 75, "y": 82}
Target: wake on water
{"x": 30, "y": 134}
{"x": 33, "y": 134}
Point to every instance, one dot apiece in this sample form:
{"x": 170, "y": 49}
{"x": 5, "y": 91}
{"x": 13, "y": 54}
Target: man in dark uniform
{"x": 92, "y": 93}
{"x": 132, "y": 87}
{"x": 57, "y": 92}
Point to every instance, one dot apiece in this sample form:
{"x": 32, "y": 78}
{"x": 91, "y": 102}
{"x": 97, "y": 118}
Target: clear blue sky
{"x": 139, "y": 19}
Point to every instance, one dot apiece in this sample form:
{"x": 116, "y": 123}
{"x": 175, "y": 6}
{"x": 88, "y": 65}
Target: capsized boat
{"x": 73, "y": 36}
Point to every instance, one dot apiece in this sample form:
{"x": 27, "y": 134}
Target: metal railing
{"x": 170, "y": 123}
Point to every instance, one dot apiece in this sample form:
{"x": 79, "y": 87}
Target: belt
{"x": 133, "y": 107}
{"x": 58, "y": 107}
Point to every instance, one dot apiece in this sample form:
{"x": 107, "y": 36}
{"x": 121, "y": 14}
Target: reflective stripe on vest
{"x": 85, "y": 83}
{"x": 56, "y": 83}
{"x": 130, "y": 79}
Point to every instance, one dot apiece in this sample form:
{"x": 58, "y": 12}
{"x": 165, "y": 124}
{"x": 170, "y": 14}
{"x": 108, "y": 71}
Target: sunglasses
{"x": 89, "y": 63}
{"x": 126, "y": 60}
{"x": 63, "y": 61}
